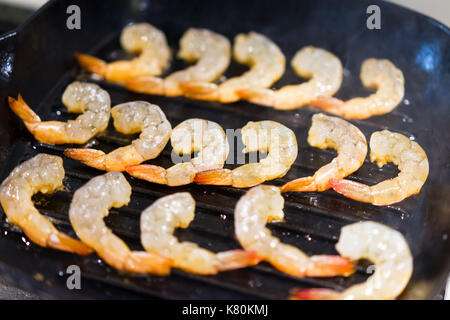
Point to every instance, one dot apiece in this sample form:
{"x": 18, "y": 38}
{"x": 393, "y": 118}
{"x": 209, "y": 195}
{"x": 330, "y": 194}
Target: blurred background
{"x": 14, "y": 12}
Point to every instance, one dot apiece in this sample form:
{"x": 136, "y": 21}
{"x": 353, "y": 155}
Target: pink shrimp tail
{"x": 313, "y": 294}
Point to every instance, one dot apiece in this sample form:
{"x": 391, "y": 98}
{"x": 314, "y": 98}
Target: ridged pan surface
{"x": 40, "y": 55}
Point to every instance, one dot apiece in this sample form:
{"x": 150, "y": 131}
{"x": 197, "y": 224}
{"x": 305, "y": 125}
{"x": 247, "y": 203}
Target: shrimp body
{"x": 386, "y": 248}
{"x": 206, "y": 137}
{"x": 412, "y": 162}
{"x": 130, "y": 118}
{"x": 322, "y": 68}
{"x": 90, "y": 205}
{"x": 375, "y": 73}
{"x": 267, "y": 136}
{"x": 264, "y": 204}
{"x": 266, "y": 61}
{"x": 177, "y": 211}
{"x": 210, "y": 51}
{"x": 141, "y": 38}
{"x": 42, "y": 173}
{"x": 348, "y": 140}
{"x": 79, "y": 97}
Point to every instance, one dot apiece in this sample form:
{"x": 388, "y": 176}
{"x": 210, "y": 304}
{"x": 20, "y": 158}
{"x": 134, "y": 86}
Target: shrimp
{"x": 212, "y": 53}
{"x": 42, "y": 173}
{"x": 348, "y": 140}
{"x": 79, "y": 97}
{"x": 143, "y": 39}
{"x": 322, "y": 67}
{"x": 375, "y": 73}
{"x": 89, "y": 205}
{"x": 177, "y": 210}
{"x": 264, "y": 204}
{"x": 191, "y": 135}
{"x": 268, "y": 136}
{"x": 130, "y": 118}
{"x": 386, "y": 248}
{"x": 412, "y": 162}
{"x": 267, "y": 65}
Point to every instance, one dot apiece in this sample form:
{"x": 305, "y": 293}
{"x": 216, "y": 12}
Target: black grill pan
{"x": 37, "y": 60}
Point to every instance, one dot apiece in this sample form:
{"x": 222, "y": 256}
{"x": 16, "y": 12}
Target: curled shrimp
{"x": 322, "y": 68}
{"x": 266, "y": 61}
{"x": 267, "y": 136}
{"x": 42, "y": 173}
{"x": 210, "y": 50}
{"x": 141, "y": 38}
{"x": 90, "y": 205}
{"x": 79, "y": 97}
{"x": 130, "y": 118}
{"x": 412, "y": 162}
{"x": 177, "y": 211}
{"x": 348, "y": 140}
{"x": 375, "y": 73}
{"x": 264, "y": 204}
{"x": 206, "y": 137}
{"x": 386, "y": 248}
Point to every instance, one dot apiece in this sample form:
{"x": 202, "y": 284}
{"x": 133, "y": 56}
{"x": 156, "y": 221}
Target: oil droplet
{"x": 308, "y": 237}
{"x": 223, "y": 216}
{"x": 58, "y": 112}
{"x": 406, "y": 102}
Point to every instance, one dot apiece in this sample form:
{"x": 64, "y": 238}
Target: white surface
{"x": 25, "y": 3}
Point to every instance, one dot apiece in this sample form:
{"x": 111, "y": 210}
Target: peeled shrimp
{"x": 322, "y": 68}
{"x": 177, "y": 211}
{"x": 266, "y": 61}
{"x": 90, "y": 205}
{"x": 412, "y": 162}
{"x": 42, "y": 173}
{"x": 79, "y": 97}
{"x": 348, "y": 140}
{"x": 143, "y": 39}
{"x": 375, "y": 73}
{"x": 210, "y": 50}
{"x": 206, "y": 137}
{"x": 264, "y": 204}
{"x": 130, "y": 118}
{"x": 268, "y": 136}
{"x": 386, "y": 248}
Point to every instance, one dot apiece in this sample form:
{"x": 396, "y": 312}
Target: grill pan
{"x": 37, "y": 60}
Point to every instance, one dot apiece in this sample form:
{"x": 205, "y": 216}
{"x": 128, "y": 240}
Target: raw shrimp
{"x": 42, "y": 173}
{"x": 210, "y": 50}
{"x": 143, "y": 39}
{"x": 130, "y": 118}
{"x": 322, "y": 68}
{"x": 348, "y": 140}
{"x": 375, "y": 73}
{"x": 206, "y": 137}
{"x": 266, "y": 61}
{"x": 79, "y": 97}
{"x": 264, "y": 204}
{"x": 386, "y": 248}
{"x": 412, "y": 162}
{"x": 90, "y": 205}
{"x": 177, "y": 211}
{"x": 267, "y": 136}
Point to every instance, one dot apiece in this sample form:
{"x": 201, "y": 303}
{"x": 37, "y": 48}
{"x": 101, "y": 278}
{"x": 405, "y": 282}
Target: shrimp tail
{"x": 92, "y": 64}
{"x": 22, "y": 110}
{"x": 328, "y": 104}
{"x": 302, "y": 184}
{"x": 200, "y": 90}
{"x": 90, "y": 157}
{"x": 63, "y": 242}
{"x": 330, "y": 266}
{"x": 351, "y": 189}
{"x": 236, "y": 259}
{"x": 148, "y": 85}
{"x": 148, "y": 172}
{"x": 264, "y": 97}
{"x": 217, "y": 177}
{"x": 145, "y": 262}
{"x": 313, "y": 294}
